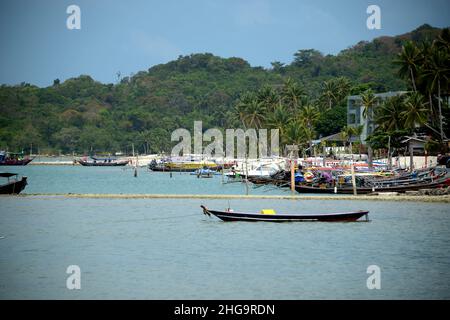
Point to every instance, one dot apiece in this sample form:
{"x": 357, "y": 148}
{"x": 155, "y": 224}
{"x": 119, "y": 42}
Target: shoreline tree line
{"x": 305, "y": 99}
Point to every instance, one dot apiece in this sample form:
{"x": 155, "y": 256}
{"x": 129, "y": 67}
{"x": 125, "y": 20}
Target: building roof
{"x": 380, "y": 95}
{"x": 7, "y": 174}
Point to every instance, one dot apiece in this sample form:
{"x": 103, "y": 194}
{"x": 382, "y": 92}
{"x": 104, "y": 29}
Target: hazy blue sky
{"x": 133, "y": 35}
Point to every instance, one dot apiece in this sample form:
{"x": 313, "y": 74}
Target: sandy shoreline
{"x": 396, "y": 198}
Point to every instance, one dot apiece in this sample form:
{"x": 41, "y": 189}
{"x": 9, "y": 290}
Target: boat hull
{"x": 182, "y": 169}
{"x": 15, "y": 162}
{"x": 14, "y": 187}
{"x": 359, "y": 190}
{"x": 254, "y": 217}
{"x": 103, "y": 164}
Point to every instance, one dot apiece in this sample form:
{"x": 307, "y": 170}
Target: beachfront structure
{"x": 355, "y": 111}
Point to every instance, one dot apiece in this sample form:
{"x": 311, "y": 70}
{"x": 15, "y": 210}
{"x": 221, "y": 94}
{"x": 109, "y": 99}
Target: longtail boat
{"x": 14, "y": 185}
{"x": 107, "y": 162}
{"x": 271, "y": 216}
{"x": 440, "y": 183}
{"x": 184, "y": 167}
{"x": 14, "y": 159}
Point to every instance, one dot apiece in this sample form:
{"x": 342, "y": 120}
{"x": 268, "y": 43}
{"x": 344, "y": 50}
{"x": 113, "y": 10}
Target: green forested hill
{"x": 83, "y": 115}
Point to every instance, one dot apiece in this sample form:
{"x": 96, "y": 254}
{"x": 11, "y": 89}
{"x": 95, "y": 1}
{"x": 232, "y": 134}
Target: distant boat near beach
{"x": 13, "y": 159}
{"x": 102, "y": 162}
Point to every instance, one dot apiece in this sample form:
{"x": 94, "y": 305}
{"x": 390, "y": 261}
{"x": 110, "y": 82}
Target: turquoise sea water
{"x": 78, "y": 179}
{"x": 167, "y": 249}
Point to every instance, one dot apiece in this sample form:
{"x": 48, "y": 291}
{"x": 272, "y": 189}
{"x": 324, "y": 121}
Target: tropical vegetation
{"x": 304, "y": 99}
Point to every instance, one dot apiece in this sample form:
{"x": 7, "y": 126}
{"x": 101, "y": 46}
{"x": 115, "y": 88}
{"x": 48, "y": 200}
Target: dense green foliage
{"x": 82, "y": 115}
{"x": 424, "y": 111}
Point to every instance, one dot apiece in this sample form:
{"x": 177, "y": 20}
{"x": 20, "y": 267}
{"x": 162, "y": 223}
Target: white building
{"x": 355, "y": 111}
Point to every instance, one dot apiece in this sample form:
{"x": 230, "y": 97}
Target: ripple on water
{"x": 167, "y": 249}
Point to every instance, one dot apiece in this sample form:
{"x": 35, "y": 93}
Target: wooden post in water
{"x": 389, "y": 154}
{"x": 292, "y": 175}
{"x": 324, "y": 150}
{"x": 136, "y": 166}
{"x": 293, "y": 154}
{"x": 246, "y": 174}
{"x": 411, "y": 156}
{"x": 223, "y": 168}
{"x": 353, "y": 179}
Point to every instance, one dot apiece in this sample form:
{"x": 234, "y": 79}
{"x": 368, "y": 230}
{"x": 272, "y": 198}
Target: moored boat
{"x": 14, "y": 185}
{"x": 13, "y": 159}
{"x": 205, "y": 173}
{"x": 98, "y": 162}
{"x": 183, "y": 166}
{"x": 271, "y": 216}
{"x": 401, "y": 188}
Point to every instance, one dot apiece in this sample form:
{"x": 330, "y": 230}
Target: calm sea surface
{"x": 167, "y": 249}
{"x": 78, "y": 179}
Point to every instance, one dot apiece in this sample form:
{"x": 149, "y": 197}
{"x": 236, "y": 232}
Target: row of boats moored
{"x": 315, "y": 176}
{"x": 336, "y": 178}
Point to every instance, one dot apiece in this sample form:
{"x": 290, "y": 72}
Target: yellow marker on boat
{"x": 268, "y": 211}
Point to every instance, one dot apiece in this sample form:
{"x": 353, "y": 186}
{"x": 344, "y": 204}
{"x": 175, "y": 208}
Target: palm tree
{"x": 308, "y": 117}
{"x": 294, "y": 133}
{"x": 408, "y": 60}
{"x": 292, "y": 95}
{"x": 437, "y": 73}
{"x": 334, "y": 91}
{"x": 344, "y": 86}
{"x": 329, "y": 93}
{"x": 415, "y": 113}
{"x": 308, "y": 134}
{"x": 255, "y": 114}
{"x": 278, "y": 119}
{"x": 241, "y": 108}
{"x": 388, "y": 114}
{"x": 269, "y": 97}
{"x": 357, "y": 132}
{"x": 368, "y": 100}
{"x": 423, "y": 81}
{"x": 347, "y": 133}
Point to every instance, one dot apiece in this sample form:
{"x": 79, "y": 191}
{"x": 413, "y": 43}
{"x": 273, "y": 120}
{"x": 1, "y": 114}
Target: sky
{"x": 129, "y": 36}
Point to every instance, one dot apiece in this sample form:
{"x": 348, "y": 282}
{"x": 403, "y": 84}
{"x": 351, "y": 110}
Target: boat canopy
{"x": 7, "y": 174}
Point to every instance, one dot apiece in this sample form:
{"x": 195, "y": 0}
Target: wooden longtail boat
{"x": 13, "y": 159}
{"x": 103, "y": 163}
{"x": 191, "y": 167}
{"x": 13, "y": 186}
{"x": 230, "y": 215}
{"x": 365, "y": 190}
